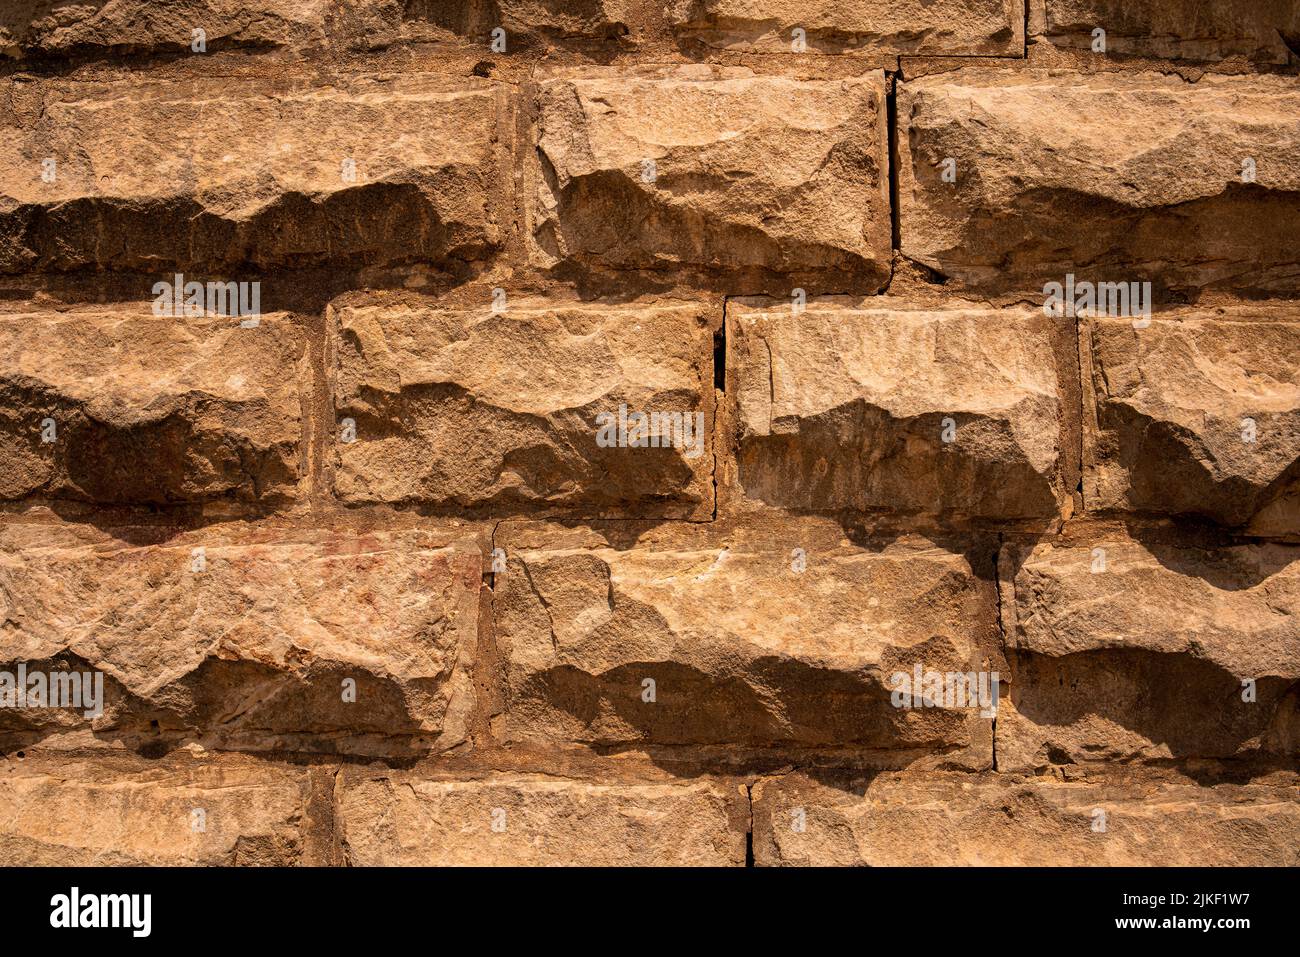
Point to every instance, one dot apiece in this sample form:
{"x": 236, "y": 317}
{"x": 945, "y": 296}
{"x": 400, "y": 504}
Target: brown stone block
{"x": 1197, "y": 414}
{"x": 249, "y": 638}
{"x": 761, "y": 636}
{"x": 983, "y": 27}
{"x": 714, "y": 174}
{"x": 243, "y": 174}
{"x": 127, "y": 407}
{"x": 514, "y": 819}
{"x": 1110, "y": 177}
{"x": 879, "y": 404}
{"x": 458, "y": 408}
{"x": 942, "y": 820}
{"x": 1123, "y": 650}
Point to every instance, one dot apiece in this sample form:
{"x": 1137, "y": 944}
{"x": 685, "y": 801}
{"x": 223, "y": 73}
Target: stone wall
{"x": 530, "y": 432}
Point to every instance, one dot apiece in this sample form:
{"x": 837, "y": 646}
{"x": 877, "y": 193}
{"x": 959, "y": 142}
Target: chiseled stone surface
{"x": 624, "y": 437}
{"x": 249, "y": 642}
{"x": 1198, "y": 414}
{"x": 718, "y": 172}
{"x": 531, "y": 19}
{"x": 1122, "y": 650}
{"x": 59, "y": 28}
{"x": 305, "y": 28}
{"x": 247, "y": 174}
{"x": 902, "y": 820}
{"x": 1138, "y": 196}
{"x": 128, "y": 407}
{"x": 739, "y": 647}
{"x": 948, "y": 27}
{"x": 1266, "y": 32}
{"x": 388, "y": 818}
{"x": 77, "y": 810}
{"x": 880, "y": 405}
{"x": 468, "y": 408}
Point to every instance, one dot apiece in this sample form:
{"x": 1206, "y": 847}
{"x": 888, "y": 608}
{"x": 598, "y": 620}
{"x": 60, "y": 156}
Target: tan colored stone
{"x": 521, "y": 19}
{"x": 742, "y": 649}
{"x": 755, "y": 179}
{"x": 1262, "y": 31}
{"x": 68, "y": 810}
{"x": 407, "y": 818}
{"x": 129, "y": 407}
{"x": 1198, "y": 414}
{"x": 57, "y": 28}
{"x": 906, "y": 820}
{"x": 249, "y": 643}
{"x": 1112, "y": 177}
{"x": 981, "y": 27}
{"x": 364, "y": 581}
{"x": 462, "y": 409}
{"x": 60, "y": 28}
{"x": 1127, "y": 651}
{"x": 848, "y": 404}
{"x": 243, "y": 174}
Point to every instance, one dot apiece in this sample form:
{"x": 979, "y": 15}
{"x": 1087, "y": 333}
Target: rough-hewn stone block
{"x": 905, "y": 820}
{"x": 1113, "y": 177}
{"x": 548, "y": 19}
{"x": 245, "y": 174}
{"x": 876, "y": 404}
{"x": 776, "y": 635}
{"x": 1262, "y": 31}
{"x": 466, "y": 408}
{"x": 59, "y": 28}
{"x": 128, "y": 407}
{"x": 1198, "y": 414}
{"x": 408, "y": 818}
{"x": 984, "y": 27}
{"x": 251, "y": 641}
{"x": 1126, "y": 651}
{"x": 745, "y": 180}
{"x": 69, "y": 810}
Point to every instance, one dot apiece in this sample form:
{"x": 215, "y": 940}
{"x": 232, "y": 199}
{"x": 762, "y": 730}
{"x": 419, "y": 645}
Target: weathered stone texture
{"x": 625, "y": 436}
{"x": 469, "y": 408}
{"x": 248, "y": 643}
{"x": 1129, "y": 651}
{"x": 882, "y": 405}
{"x": 129, "y": 407}
{"x": 983, "y": 27}
{"x": 1198, "y": 414}
{"x": 527, "y": 19}
{"x": 754, "y": 179}
{"x": 903, "y": 820}
{"x": 742, "y": 649}
{"x": 58, "y": 28}
{"x": 306, "y": 28}
{"x": 239, "y": 173}
{"x": 405, "y": 818}
{"x": 1114, "y": 177}
{"x": 1265, "y": 32}
{"x": 69, "y": 810}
